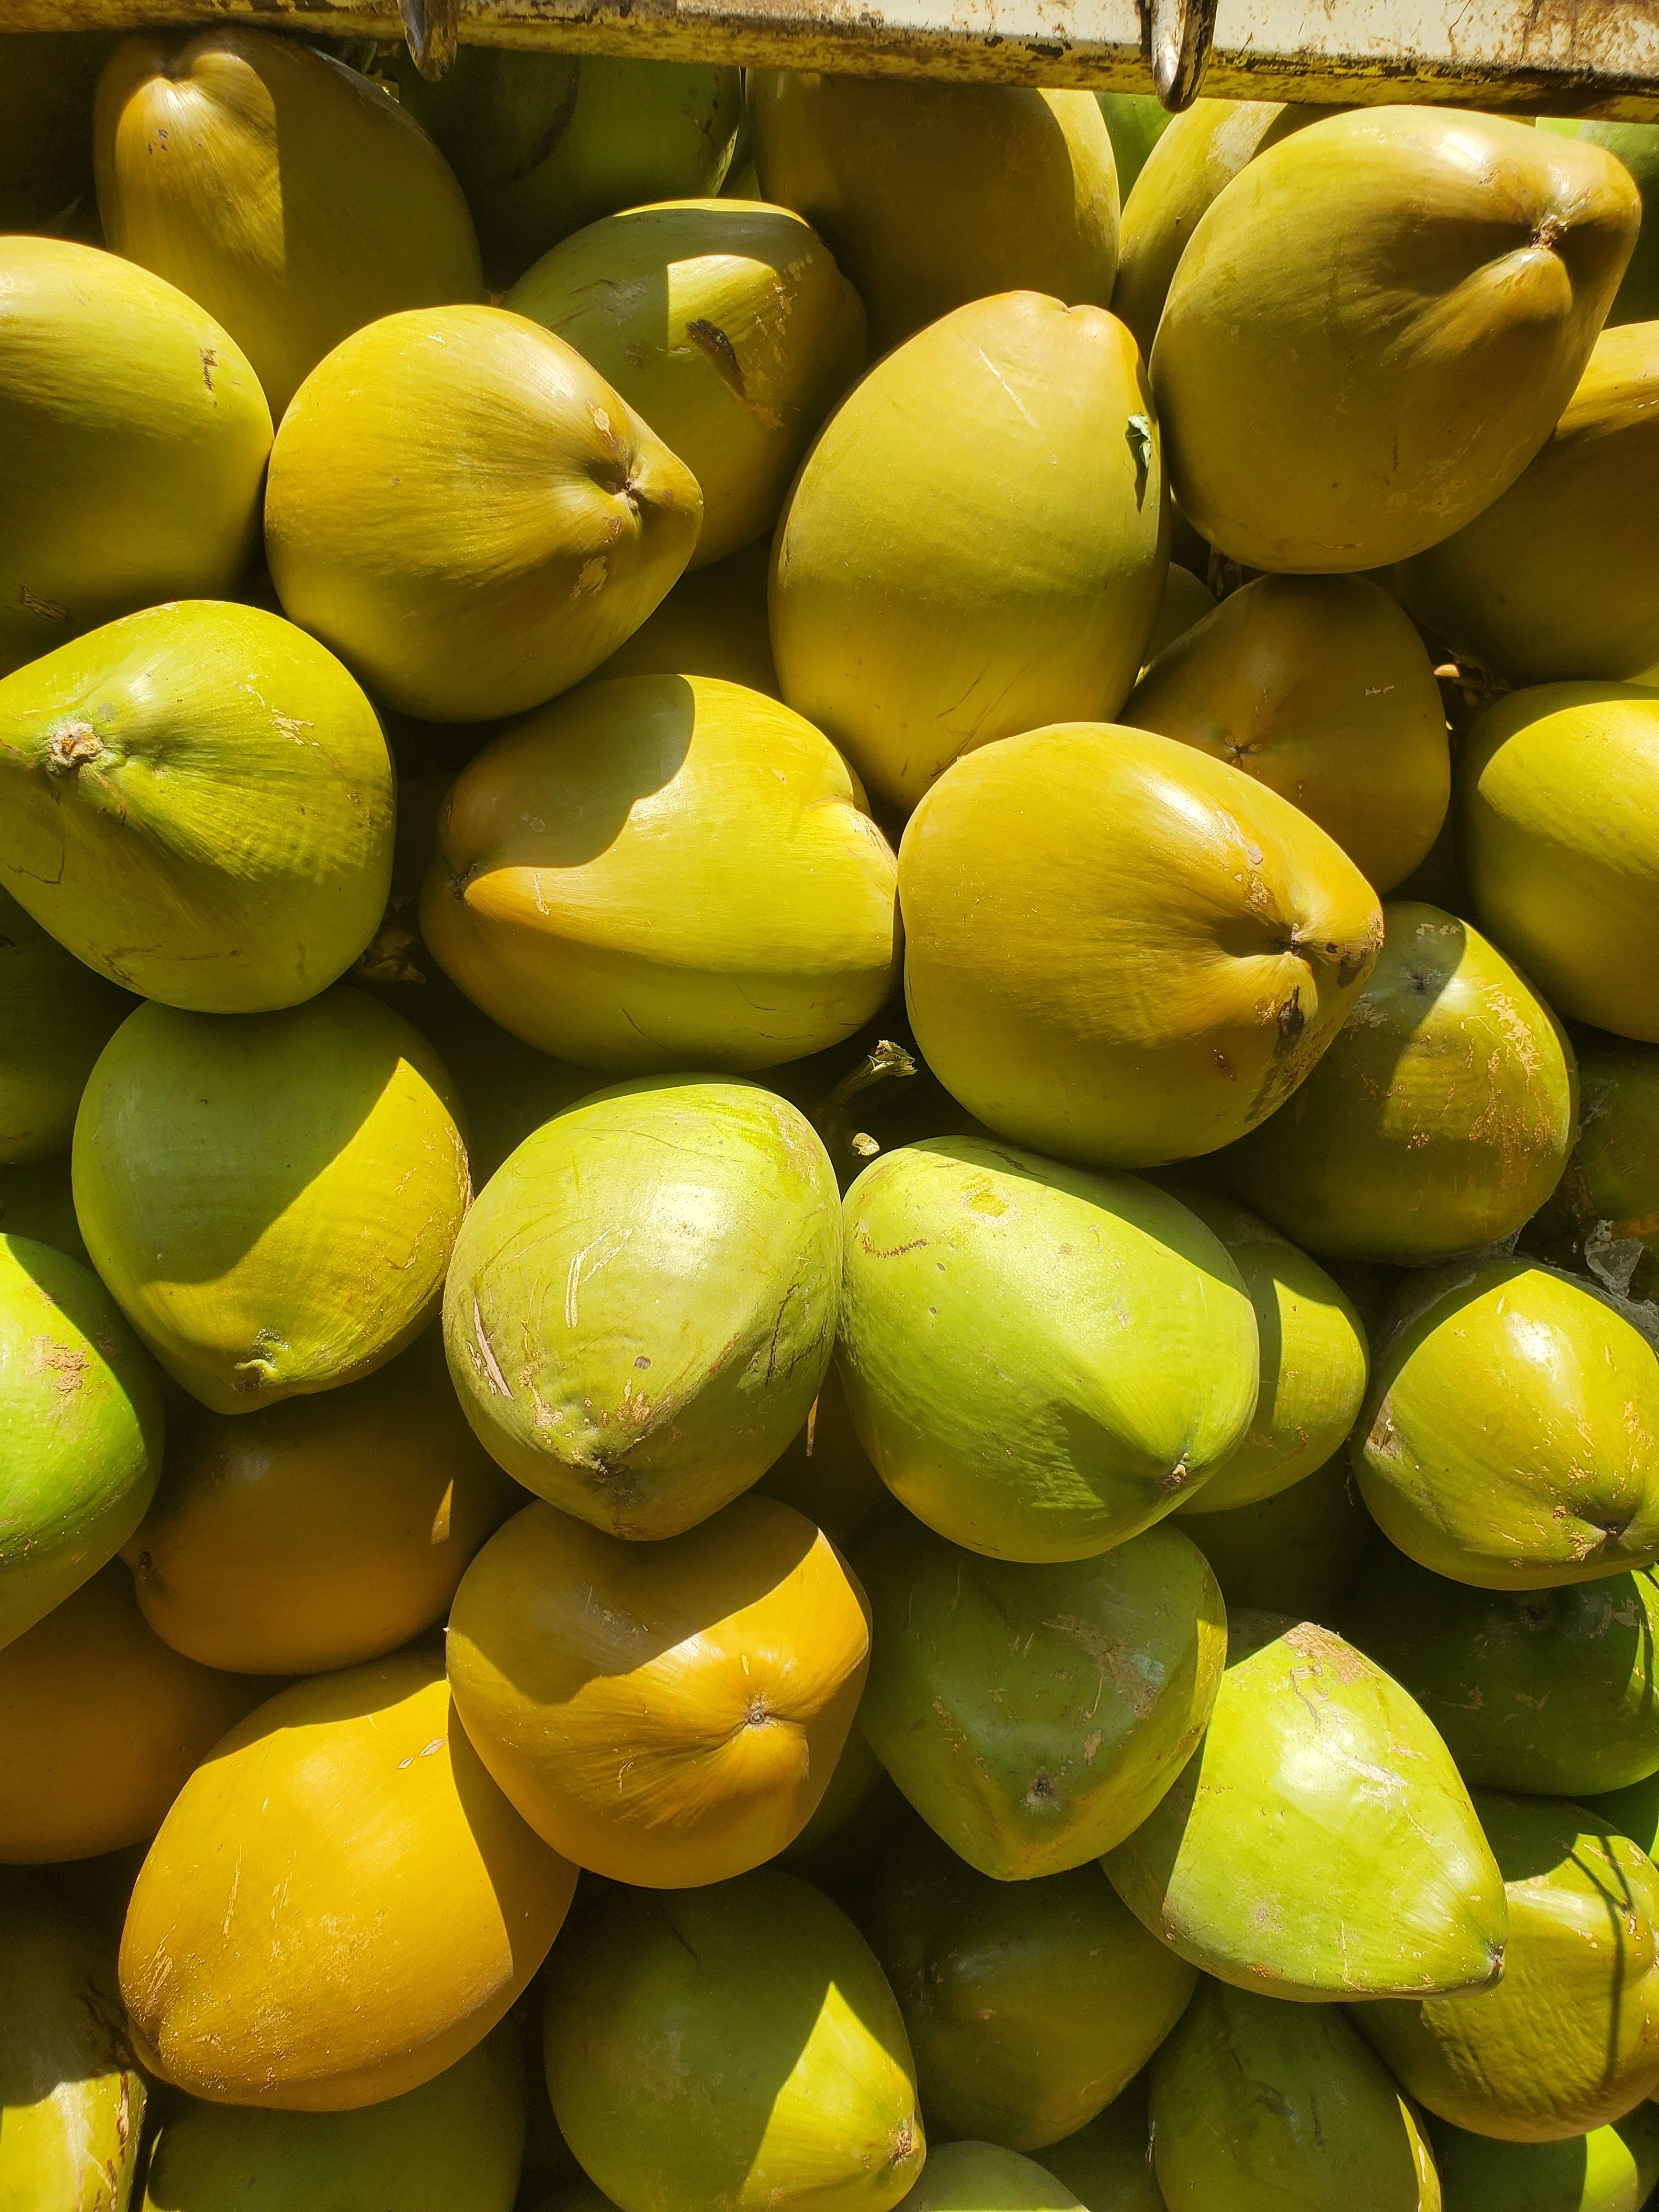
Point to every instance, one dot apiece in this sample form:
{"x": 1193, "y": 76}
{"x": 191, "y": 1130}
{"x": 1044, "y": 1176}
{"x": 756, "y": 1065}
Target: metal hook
{"x": 431, "y": 27}
{"x": 1175, "y": 37}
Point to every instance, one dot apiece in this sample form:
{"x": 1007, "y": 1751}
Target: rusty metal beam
{"x": 1567, "y": 57}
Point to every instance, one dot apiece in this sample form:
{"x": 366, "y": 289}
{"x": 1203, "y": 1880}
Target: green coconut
{"x": 1558, "y": 833}
{"x": 1547, "y": 1691}
{"x": 1044, "y": 881}
{"x": 39, "y": 1202}
{"x": 823, "y": 1471}
{"x": 979, "y": 2177}
{"x": 133, "y": 438}
{"x": 857, "y": 1781}
{"x": 1203, "y": 150}
{"x": 81, "y": 1426}
{"x": 543, "y": 144}
{"x": 55, "y": 1017}
{"x": 1109, "y": 2162}
{"x": 1297, "y": 1551}
{"x": 456, "y": 2145}
{"x": 772, "y": 2047}
{"x": 1439, "y": 1121}
{"x": 1603, "y": 1216}
{"x": 714, "y": 622}
{"x": 197, "y": 802}
{"x": 976, "y": 544}
{"x": 726, "y": 324}
{"x": 1320, "y": 1844}
{"x": 1610, "y": 2169}
{"x": 1034, "y": 1715}
{"x": 272, "y": 1200}
{"x": 1135, "y": 121}
{"x": 1319, "y": 687}
{"x": 1559, "y": 578}
{"x": 1127, "y": 1363}
{"x": 1029, "y": 2005}
{"x": 666, "y": 872}
{"x": 1637, "y": 145}
{"x": 1568, "y": 2039}
{"x": 1332, "y": 408}
{"x": 71, "y": 2099}
{"x": 45, "y": 125}
{"x": 283, "y": 192}
{"x": 1258, "y": 2104}
{"x": 930, "y": 195}
{"x": 1634, "y": 1811}
{"x": 640, "y": 1306}
{"x": 477, "y": 574}
{"x": 1511, "y": 1438}
{"x": 1313, "y": 1355}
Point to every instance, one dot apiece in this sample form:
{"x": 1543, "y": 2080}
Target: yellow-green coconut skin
{"x": 72, "y": 2097}
{"x": 1315, "y": 1361}
{"x": 80, "y": 1430}
{"x": 1559, "y": 580}
{"x": 1256, "y": 2105}
{"x": 1557, "y": 834}
{"x": 1439, "y": 1121}
{"x": 1034, "y": 1715}
{"x": 1320, "y": 1844}
{"x": 1607, "y": 1202}
{"x": 1568, "y": 2039}
{"x": 931, "y": 195}
{"x": 639, "y": 1309}
{"x": 468, "y": 514}
{"x": 666, "y": 872}
{"x": 1610, "y": 2169}
{"x": 272, "y": 1200}
{"x": 982, "y": 2177}
{"x": 133, "y": 440}
{"x": 198, "y": 803}
{"x": 455, "y": 2145}
{"x": 726, "y": 325}
{"x": 1545, "y": 1691}
{"x": 1108, "y": 2163}
{"x": 1511, "y": 1437}
{"x": 291, "y": 196}
{"x": 1125, "y": 1372}
{"x": 1637, "y": 145}
{"x": 1200, "y": 153}
{"x": 772, "y": 2048}
{"x": 55, "y": 1017}
{"x": 976, "y": 544}
{"x": 543, "y": 144}
{"x": 1376, "y": 326}
{"x": 1029, "y": 2005}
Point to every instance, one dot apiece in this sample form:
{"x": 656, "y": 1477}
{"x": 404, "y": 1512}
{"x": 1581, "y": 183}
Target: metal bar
{"x": 1566, "y": 57}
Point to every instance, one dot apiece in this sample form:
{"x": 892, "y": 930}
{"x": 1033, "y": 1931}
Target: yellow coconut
{"x": 714, "y": 622}
{"x": 468, "y": 514}
{"x": 931, "y": 195}
{"x": 1319, "y": 688}
{"x": 285, "y": 192}
{"x": 133, "y": 438}
{"x": 340, "y": 1904}
{"x": 666, "y": 1714}
{"x": 271, "y": 1199}
{"x": 1376, "y": 326}
{"x": 977, "y": 542}
{"x": 101, "y": 1725}
{"x": 1120, "y": 952}
{"x": 197, "y": 801}
{"x": 726, "y": 325}
{"x": 1558, "y": 833}
{"x": 664, "y": 872}
{"x": 1200, "y": 154}
{"x": 322, "y": 1532}
{"x": 1559, "y": 578}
